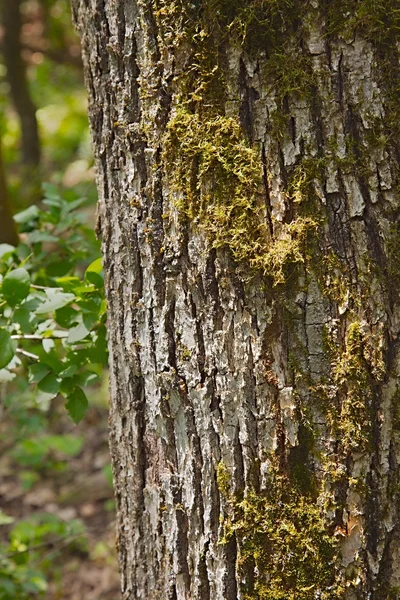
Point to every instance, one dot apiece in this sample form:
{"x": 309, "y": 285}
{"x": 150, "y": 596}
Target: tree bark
{"x": 248, "y": 172}
{"x": 17, "y": 78}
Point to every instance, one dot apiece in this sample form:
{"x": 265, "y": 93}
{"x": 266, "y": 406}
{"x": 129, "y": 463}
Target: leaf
{"x": 60, "y": 267}
{"x": 6, "y": 249}
{"x": 86, "y": 378}
{"x": 52, "y": 360}
{"x": 82, "y": 330}
{"x": 77, "y": 404}
{"x": 37, "y": 372}
{"x": 50, "y": 384}
{"x": 16, "y": 286}
{"x": 23, "y": 318}
{"x": 67, "y": 317}
{"x": 69, "y": 371}
{"x": 74, "y": 204}
{"x": 6, "y": 348}
{"x": 93, "y": 273}
{"x": 31, "y": 304}
{"x": 98, "y": 353}
{"x": 78, "y": 333}
{"x": 96, "y": 266}
{"x": 51, "y": 193}
{"x": 68, "y": 283}
{"x": 55, "y": 300}
{"x": 41, "y": 236}
{"x": 95, "y": 279}
{"x": 27, "y": 215}
{"x": 48, "y": 344}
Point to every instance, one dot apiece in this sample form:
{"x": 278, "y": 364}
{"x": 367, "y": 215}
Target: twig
{"x": 39, "y": 337}
{"x": 42, "y": 287}
{"x": 27, "y": 354}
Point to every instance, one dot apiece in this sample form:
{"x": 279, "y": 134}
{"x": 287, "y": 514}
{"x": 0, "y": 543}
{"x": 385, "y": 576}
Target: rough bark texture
{"x": 247, "y": 157}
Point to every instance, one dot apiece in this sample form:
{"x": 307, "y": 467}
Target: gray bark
{"x": 227, "y": 387}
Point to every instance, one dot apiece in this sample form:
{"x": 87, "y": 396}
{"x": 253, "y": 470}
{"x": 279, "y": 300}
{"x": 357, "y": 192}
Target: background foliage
{"x": 56, "y": 508}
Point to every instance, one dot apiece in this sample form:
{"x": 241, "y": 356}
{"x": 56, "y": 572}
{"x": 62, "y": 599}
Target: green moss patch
{"x": 284, "y": 536}
{"x": 218, "y": 176}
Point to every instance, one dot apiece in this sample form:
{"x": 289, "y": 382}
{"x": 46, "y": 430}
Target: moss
{"x": 355, "y": 374}
{"x": 378, "y": 21}
{"x": 209, "y": 162}
{"x": 283, "y": 534}
{"x": 218, "y": 176}
{"x": 393, "y": 252}
{"x": 299, "y": 456}
{"x": 223, "y": 479}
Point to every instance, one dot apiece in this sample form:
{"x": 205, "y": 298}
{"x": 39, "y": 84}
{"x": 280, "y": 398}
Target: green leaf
{"x": 77, "y": 404}
{"x": 98, "y": 353}
{"x": 16, "y": 286}
{"x": 50, "y": 384}
{"x": 68, "y": 384}
{"x": 6, "y": 348}
{"x": 68, "y": 283}
{"x": 86, "y": 378}
{"x": 69, "y": 371}
{"x": 60, "y": 267}
{"x": 78, "y": 333}
{"x": 95, "y": 267}
{"x": 52, "y": 360}
{"x": 95, "y": 279}
{"x": 37, "y": 372}
{"x": 27, "y": 215}
{"x": 41, "y": 236}
{"x": 83, "y": 328}
{"x": 6, "y": 249}
{"x": 67, "y": 317}
{"x": 24, "y": 318}
{"x": 31, "y": 304}
{"x": 93, "y": 273}
{"x": 51, "y": 193}
{"x": 55, "y": 300}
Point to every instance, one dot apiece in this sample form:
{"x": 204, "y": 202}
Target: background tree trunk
{"x": 248, "y": 170}
{"x": 16, "y": 75}
{"x": 8, "y": 232}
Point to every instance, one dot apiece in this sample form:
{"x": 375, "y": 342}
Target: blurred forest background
{"x": 56, "y": 499}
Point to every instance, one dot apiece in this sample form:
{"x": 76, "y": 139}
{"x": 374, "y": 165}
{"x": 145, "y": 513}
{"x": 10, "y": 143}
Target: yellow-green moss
{"x": 356, "y": 370}
{"x": 218, "y": 177}
{"x": 283, "y": 534}
{"x": 393, "y": 253}
{"x": 223, "y": 479}
{"x": 378, "y": 21}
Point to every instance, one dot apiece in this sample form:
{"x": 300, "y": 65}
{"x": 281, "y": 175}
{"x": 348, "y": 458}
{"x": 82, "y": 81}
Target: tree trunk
{"x": 8, "y": 232}
{"x": 17, "y": 78}
{"x": 248, "y": 170}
